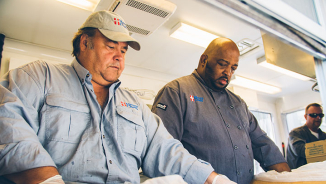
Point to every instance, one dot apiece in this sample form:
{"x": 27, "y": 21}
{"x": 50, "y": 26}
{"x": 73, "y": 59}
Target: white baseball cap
{"x": 112, "y": 26}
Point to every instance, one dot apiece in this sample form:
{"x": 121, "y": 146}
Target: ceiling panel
{"x": 50, "y": 23}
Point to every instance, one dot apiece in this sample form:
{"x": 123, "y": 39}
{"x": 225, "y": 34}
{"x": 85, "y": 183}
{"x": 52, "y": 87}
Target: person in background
{"x": 309, "y": 132}
{"x": 72, "y": 123}
{"x": 213, "y": 123}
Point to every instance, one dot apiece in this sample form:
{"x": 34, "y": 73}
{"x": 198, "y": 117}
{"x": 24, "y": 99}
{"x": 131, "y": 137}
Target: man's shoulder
{"x": 235, "y": 96}
{"x": 126, "y": 91}
{"x": 323, "y": 134}
{"x": 127, "y": 94}
{"x": 180, "y": 82}
{"x": 299, "y": 129}
{"x": 40, "y": 65}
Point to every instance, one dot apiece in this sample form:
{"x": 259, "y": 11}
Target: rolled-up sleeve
{"x": 166, "y": 155}
{"x": 20, "y": 100}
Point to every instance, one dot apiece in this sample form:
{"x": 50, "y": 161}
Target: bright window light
{"x": 89, "y": 5}
{"x": 257, "y": 86}
{"x": 283, "y": 71}
{"x": 192, "y": 35}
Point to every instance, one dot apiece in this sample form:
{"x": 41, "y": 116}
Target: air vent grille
{"x": 147, "y": 8}
{"x": 137, "y": 30}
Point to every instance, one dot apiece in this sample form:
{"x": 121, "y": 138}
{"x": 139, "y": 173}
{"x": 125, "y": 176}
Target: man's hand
{"x": 280, "y": 167}
{"x": 215, "y": 178}
{"x": 57, "y": 179}
{"x": 171, "y": 179}
{"x": 31, "y": 176}
{"x": 222, "y": 179}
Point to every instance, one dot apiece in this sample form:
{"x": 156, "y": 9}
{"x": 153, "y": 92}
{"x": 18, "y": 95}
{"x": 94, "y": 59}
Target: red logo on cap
{"x": 116, "y": 21}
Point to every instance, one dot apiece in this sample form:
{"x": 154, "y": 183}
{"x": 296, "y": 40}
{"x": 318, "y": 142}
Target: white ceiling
{"x": 52, "y": 24}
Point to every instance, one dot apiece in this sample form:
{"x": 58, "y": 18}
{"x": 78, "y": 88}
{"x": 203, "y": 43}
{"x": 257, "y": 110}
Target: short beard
{"x": 209, "y": 70}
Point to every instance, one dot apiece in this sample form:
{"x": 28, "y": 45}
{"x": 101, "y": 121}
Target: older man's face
{"x": 105, "y": 59}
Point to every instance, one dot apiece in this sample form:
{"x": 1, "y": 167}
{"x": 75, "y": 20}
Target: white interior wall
{"x": 266, "y": 104}
{"x": 298, "y": 101}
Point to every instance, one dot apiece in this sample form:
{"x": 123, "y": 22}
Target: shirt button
{"x": 110, "y": 161}
{"x": 235, "y": 147}
{"x": 231, "y": 106}
{"x": 218, "y": 107}
{"x": 238, "y": 173}
{"x": 247, "y": 146}
{"x": 87, "y": 75}
{"x": 228, "y": 125}
{"x": 250, "y": 170}
{"x": 239, "y": 127}
{"x": 103, "y": 136}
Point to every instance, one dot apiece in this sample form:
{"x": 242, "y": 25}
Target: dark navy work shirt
{"x": 216, "y": 127}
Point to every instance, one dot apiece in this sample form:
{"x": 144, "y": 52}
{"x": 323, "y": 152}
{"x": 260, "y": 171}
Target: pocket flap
{"x": 59, "y": 100}
{"x": 128, "y": 114}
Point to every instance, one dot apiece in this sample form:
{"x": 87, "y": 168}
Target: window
{"x": 265, "y": 122}
{"x": 305, "y": 15}
{"x": 306, "y": 7}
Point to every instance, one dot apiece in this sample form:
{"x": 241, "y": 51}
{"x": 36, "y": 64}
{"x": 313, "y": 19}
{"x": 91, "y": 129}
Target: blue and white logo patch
{"x": 129, "y": 105}
{"x": 196, "y": 98}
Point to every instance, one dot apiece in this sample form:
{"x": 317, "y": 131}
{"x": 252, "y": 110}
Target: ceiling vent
{"x": 143, "y": 16}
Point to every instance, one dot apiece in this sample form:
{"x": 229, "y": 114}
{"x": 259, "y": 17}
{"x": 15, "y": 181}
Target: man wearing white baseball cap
{"x": 72, "y": 123}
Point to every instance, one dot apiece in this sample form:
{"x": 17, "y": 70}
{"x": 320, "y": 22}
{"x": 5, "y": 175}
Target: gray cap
{"x": 112, "y": 26}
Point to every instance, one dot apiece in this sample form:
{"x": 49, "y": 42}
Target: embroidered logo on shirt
{"x": 196, "y": 98}
{"x": 161, "y": 106}
{"x": 129, "y": 105}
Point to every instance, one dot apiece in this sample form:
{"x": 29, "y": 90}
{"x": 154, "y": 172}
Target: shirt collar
{"x": 195, "y": 73}
{"x": 80, "y": 70}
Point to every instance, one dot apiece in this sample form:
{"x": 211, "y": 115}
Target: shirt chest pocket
{"x": 241, "y": 110}
{"x": 131, "y": 130}
{"x": 66, "y": 120}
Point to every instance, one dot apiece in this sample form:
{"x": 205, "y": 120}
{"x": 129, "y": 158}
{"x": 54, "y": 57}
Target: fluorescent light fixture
{"x": 192, "y": 35}
{"x": 12, "y": 48}
{"x": 257, "y": 86}
{"x": 89, "y": 5}
{"x": 262, "y": 62}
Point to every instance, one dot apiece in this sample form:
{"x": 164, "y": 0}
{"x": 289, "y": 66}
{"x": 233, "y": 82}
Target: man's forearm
{"x": 33, "y": 176}
{"x": 210, "y": 178}
{"x": 280, "y": 167}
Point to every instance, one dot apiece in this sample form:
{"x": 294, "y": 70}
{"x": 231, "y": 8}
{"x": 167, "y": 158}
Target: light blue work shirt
{"x": 49, "y": 116}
